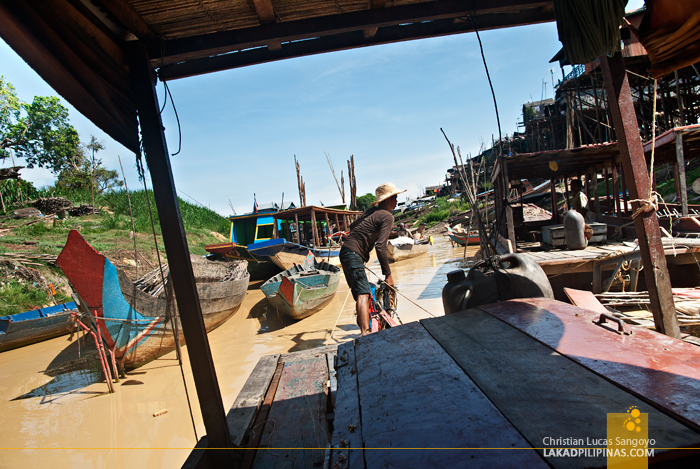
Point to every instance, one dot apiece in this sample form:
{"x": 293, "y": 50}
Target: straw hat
{"x": 385, "y": 191}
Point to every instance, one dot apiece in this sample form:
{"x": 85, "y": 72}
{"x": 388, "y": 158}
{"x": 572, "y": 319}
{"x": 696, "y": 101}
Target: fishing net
{"x": 589, "y": 28}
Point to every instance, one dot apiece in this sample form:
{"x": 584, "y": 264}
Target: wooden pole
{"x": 625, "y": 195}
{"x": 681, "y": 182}
{"x": 314, "y": 228}
{"x": 553, "y": 191}
{"x": 607, "y": 193}
{"x": 596, "y": 199}
{"x": 158, "y": 159}
{"x": 646, "y": 224}
{"x": 615, "y": 189}
{"x": 328, "y": 230}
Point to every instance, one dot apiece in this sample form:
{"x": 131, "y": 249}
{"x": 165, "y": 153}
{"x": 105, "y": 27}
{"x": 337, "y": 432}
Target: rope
{"x": 396, "y": 290}
{"x": 651, "y": 203}
{"x": 339, "y": 314}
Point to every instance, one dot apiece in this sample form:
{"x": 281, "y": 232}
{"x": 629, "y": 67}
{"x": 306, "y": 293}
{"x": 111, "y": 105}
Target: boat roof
{"x": 304, "y": 213}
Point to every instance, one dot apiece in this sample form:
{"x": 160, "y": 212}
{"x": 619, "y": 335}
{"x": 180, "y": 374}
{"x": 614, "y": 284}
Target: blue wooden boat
{"x": 30, "y": 327}
{"x": 304, "y": 289}
{"x": 285, "y": 254}
{"x": 135, "y": 326}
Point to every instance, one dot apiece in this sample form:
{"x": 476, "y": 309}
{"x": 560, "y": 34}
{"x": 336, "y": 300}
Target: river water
{"x": 66, "y": 421}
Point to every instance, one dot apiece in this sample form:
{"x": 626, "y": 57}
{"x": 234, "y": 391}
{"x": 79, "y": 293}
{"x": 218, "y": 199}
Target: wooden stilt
{"x": 647, "y": 225}
{"x": 680, "y": 181}
{"x": 157, "y": 157}
{"x": 553, "y": 192}
{"x": 314, "y": 228}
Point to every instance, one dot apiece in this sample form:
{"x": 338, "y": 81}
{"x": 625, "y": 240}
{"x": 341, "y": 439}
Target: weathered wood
{"x": 661, "y": 370}
{"x": 541, "y": 392}
{"x": 413, "y": 395}
{"x": 190, "y": 309}
{"x": 646, "y": 224}
{"x": 296, "y": 431}
{"x": 242, "y": 413}
{"x": 332, "y": 377}
{"x": 314, "y": 228}
{"x": 680, "y": 181}
{"x": 347, "y": 427}
{"x": 261, "y": 419}
{"x": 307, "y": 354}
{"x": 298, "y": 228}
{"x": 586, "y": 300}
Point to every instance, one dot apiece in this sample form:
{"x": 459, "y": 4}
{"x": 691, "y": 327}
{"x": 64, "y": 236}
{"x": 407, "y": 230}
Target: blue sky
{"x": 385, "y": 105}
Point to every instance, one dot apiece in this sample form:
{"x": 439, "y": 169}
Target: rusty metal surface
{"x": 661, "y": 370}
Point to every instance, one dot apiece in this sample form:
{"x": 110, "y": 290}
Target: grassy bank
{"x": 108, "y": 232}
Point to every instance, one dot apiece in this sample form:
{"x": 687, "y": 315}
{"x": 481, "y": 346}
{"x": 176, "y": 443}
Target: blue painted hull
{"x": 30, "y": 327}
{"x": 285, "y": 254}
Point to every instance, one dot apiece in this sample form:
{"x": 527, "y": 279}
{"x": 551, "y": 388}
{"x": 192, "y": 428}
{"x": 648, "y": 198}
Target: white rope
{"x": 651, "y": 202}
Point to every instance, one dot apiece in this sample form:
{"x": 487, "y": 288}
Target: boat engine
{"x": 518, "y": 276}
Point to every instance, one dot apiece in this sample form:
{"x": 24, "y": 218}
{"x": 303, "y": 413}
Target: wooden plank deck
{"x": 452, "y": 390}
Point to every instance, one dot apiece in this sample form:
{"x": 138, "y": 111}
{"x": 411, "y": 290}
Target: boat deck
{"x": 493, "y": 386}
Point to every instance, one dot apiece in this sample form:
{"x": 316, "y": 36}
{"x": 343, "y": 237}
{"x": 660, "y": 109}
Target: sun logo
{"x": 633, "y": 421}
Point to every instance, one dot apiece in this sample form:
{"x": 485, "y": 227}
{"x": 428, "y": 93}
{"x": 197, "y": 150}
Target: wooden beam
{"x": 315, "y": 29}
{"x": 130, "y": 18}
{"x": 33, "y": 46}
{"x": 646, "y": 224}
{"x": 314, "y": 228}
{"x": 189, "y": 307}
{"x": 298, "y": 228}
{"x": 373, "y": 4}
{"x": 680, "y": 182}
{"x": 176, "y": 50}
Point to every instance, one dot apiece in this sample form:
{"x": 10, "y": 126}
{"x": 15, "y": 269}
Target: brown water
{"x": 68, "y": 422}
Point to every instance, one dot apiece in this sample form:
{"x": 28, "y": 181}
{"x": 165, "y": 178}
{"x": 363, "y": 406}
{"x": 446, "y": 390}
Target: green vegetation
{"x": 365, "y": 201}
{"x": 18, "y": 297}
{"x": 443, "y": 209}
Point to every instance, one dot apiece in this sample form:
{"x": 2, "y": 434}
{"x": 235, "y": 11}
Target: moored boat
{"x": 398, "y": 250}
{"x": 304, "y": 289}
{"x": 30, "y": 327}
{"x": 137, "y": 327}
{"x": 462, "y": 238}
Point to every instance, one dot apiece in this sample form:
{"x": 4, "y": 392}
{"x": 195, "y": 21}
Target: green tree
{"x": 84, "y": 172}
{"x": 365, "y": 201}
{"x": 38, "y": 131}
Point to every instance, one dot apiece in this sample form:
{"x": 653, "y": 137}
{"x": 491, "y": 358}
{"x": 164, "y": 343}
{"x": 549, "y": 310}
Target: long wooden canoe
{"x": 405, "y": 251}
{"x": 135, "y": 325}
{"x": 303, "y": 289}
{"x": 30, "y": 327}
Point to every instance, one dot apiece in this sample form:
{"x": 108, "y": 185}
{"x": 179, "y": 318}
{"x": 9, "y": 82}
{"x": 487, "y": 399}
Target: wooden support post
{"x": 647, "y": 224}
{"x": 337, "y": 223}
{"x": 298, "y": 230}
{"x": 607, "y": 192}
{"x": 347, "y": 224}
{"x": 566, "y": 194}
{"x": 328, "y": 230}
{"x": 593, "y": 175}
{"x": 190, "y": 310}
{"x": 555, "y": 207}
{"x": 680, "y": 182}
{"x": 314, "y": 228}
{"x": 615, "y": 189}
{"x": 275, "y": 232}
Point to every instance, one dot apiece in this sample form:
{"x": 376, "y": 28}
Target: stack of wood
{"x": 50, "y": 205}
{"x": 26, "y": 258}
{"x": 82, "y": 209}
{"x": 10, "y": 173}
{"x": 686, "y": 300}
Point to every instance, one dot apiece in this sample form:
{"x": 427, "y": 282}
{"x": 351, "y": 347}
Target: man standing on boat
{"x": 370, "y": 231}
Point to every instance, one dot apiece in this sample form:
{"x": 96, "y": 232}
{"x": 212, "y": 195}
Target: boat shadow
{"x": 269, "y": 318}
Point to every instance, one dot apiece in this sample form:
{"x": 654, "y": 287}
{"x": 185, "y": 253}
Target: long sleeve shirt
{"x": 370, "y": 231}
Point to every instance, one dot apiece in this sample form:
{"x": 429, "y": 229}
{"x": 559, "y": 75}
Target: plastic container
{"x": 574, "y": 230}
{"x": 520, "y": 277}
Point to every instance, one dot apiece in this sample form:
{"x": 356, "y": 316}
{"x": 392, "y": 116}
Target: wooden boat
{"x": 303, "y": 289}
{"x": 30, "y": 327}
{"x": 405, "y": 251}
{"x": 138, "y": 327}
{"x": 259, "y": 268}
{"x": 286, "y": 255}
{"x": 463, "y": 238}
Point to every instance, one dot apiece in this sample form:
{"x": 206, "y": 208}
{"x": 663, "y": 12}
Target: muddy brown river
{"x": 65, "y": 421}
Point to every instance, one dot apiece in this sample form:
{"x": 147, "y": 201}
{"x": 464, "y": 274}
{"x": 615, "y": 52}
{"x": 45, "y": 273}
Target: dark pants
{"x": 354, "y": 270}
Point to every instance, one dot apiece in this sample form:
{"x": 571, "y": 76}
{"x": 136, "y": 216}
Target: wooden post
{"x": 647, "y": 225}
{"x": 596, "y": 199}
{"x": 680, "y": 182}
{"x": 275, "y": 233}
{"x": 328, "y": 230}
{"x": 347, "y": 224}
{"x": 553, "y": 191}
{"x": 566, "y": 194}
{"x": 606, "y": 173}
{"x": 190, "y": 310}
{"x": 615, "y": 189}
{"x": 337, "y": 223}
{"x": 314, "y": 228}
{"x": 298, "y": 231}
